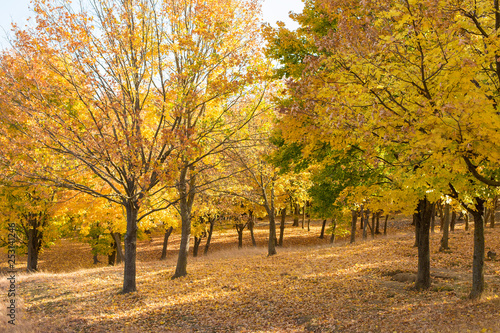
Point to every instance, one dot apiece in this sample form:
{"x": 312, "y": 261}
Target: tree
{"x": 133, "y": 93}
{"x": 34, "y": 211}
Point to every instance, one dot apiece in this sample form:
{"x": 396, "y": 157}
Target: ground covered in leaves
{"x": 309, "y": 286}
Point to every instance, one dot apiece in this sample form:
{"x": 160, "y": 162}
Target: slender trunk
{"x": 492, "y": 217}
{"x": 271, "y": 246}
{"x": 453, "y": 221}
{"x": 296, "y": 215}
{"x": 168, "y": 232}
{"x": 445, "y": 228}
{"x": 197, "y": 241}
{"x": 251, "y": 224}
{"x": 433, "y": 218}
{"x": 282, "y": 226}
{"x": 322, "y": 235}
{"x": 118, "y": 241}
{"x": 466, "y": 221}
{"x": 269, "y": 205}
{"x": 365, "y": 224}
{"x": 372, "y": 228}
{"x": 112, "y": 255}
{"x": 96, "y": 260}
{"x": 353, "y": 225}
{"x": 423, "y": 220}
{"x": 239, "y": 228}
{"x": 478, "y": 260}
{"x": 185, "y": 203}
{"x": 209, "y": 237}
{"x": 334, "y": 226}
{"x": 377, "y": 228}
{"x": 303, "y": 215}
{"x": 362, "y": 216}
{"x": 385, "y": 224}
{"x": 129, "y": 273}
{"x": 34, "y": 245}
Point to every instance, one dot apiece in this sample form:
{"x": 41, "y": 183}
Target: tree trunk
{"x": 377, "y": 228}
{"x": 34, "y": 245}
{"x": 372, "y": 228}
{"x": 239, "y": 228}
{"x": 445, "y": 228}
{"x": 118, "y": 241}
{"x": 168, "y": 232}
{"x": 362, "y": 218}
{"x": 433, "y": 218}
{"x": 296, "y": 214}
{"x": 251, "y": 224}
{"x": 466, "y": 218}
{"x": 385, "y": 224}
{"x": 197, "y": 241}
{"x": 334, "y": 226}
{"x": 282, "y": 226}
{"x": 129, "y": 273}
{"x": 210, "y": 232}
{"x": 453, "y": 221}
{"x": 492, "y": 216}
{"x": 322, "y": 235}
{"x": 303, "y": 215}
{"x": 271, "y": 246}
{"x": 96, "y": 260}
{"x": 186, "y": 203}
{"x": 365, "y": 224}
{"x": 417, "y": 230}
{"x": 353, "y": 225}
{"x": 112, "y": 255}
{"x": 478, "y": 260}
{"x": 423, "y": 220}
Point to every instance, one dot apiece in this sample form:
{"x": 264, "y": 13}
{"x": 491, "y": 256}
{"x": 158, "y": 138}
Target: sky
{"x": 19, "y": 10}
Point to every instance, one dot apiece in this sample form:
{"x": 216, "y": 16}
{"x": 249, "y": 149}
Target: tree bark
{"x": 445, "y": 227}
{"x": 168, "y": 232}
{"x": 251, "y": 225}
{"x": 129, "y": 274}
{"x": 112, "y": 255}
{"x": 372, "y": 228}
{"x": 334, "y": 226}
{"x": 303, "y": 215}
{"x": 282, "y": 226}
{"x": 34, "y": 245}
{"x": 210, "y": 232}
{"x": 322, "y": 235}
{"x": 118, "y": 241}
{"x": 478, "y": 259}
{"x": 186, "y": 203}
{"x": 377, "y": 228}
{"x": 423, "y": 220}
{"x": 433, "y": 218}
{"x": 197, "y": 241}
{"x": 353, "y": 225}
{"x": 453, "y": 221}
{"x": 492, "y": 216}
{"x": 296, "y": 214}
{"x": 417, "y": 230}
{"x": 385, "y": 224}
{"x": 365, "y": 224}
{"x": 239, "y": 228}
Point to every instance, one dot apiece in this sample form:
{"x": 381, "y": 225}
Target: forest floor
{"x": 309, "y": 286}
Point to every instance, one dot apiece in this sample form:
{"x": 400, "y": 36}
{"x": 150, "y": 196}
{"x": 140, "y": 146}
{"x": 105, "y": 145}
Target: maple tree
{"x": 133, "y": 94}
{"x": 402, "y": 83}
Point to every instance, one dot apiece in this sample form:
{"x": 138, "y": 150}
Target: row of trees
{"x": 167, "y": 107}
{"x": 403, "y": 92}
